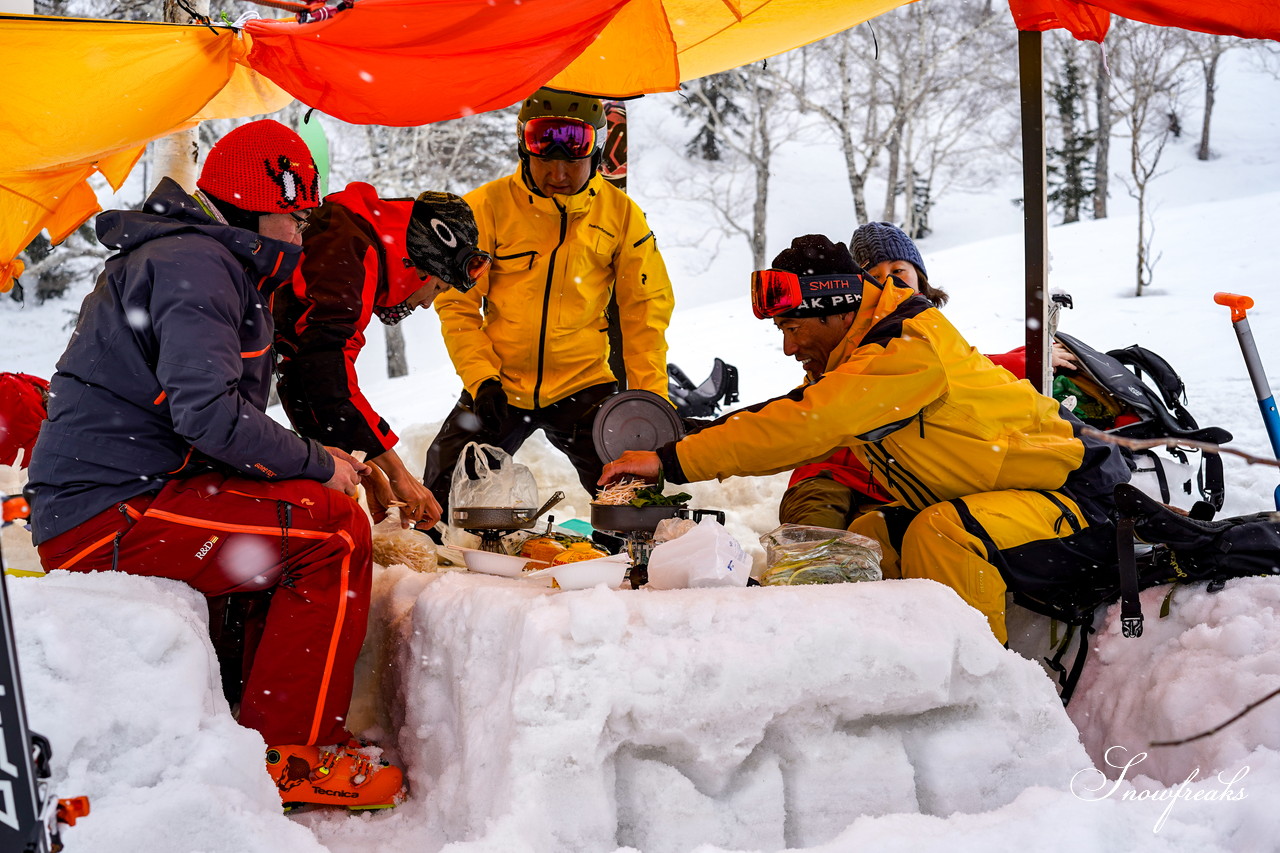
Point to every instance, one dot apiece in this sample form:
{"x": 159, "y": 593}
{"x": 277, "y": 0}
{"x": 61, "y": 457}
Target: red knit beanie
{"x": 262, "y": 167}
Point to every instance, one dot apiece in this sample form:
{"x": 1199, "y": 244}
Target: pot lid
{"x": 634, "y": 420}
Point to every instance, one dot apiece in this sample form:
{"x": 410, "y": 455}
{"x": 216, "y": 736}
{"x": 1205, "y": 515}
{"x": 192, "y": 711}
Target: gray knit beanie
{"x": 877, "y": 242}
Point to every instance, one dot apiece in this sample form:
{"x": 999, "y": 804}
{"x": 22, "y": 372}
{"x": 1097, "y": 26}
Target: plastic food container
{"x": 585, "y": 574}
{"x": 503, "y": 565}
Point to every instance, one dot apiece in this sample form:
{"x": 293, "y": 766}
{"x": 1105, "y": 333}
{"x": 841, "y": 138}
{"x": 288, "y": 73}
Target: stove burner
{"x": 490, "y": 539}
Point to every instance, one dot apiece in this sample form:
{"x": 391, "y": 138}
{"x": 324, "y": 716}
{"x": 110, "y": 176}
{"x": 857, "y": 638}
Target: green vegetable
{"x": 654, "y": 497}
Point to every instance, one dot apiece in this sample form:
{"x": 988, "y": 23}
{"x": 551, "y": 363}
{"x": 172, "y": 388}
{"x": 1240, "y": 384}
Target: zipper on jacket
{"x": 546, "y": 303}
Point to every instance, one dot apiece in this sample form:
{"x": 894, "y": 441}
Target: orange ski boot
{"x": 333, "y": 776}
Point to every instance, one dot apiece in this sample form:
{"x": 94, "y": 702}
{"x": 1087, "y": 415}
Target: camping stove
{"x": 490, "y": 538}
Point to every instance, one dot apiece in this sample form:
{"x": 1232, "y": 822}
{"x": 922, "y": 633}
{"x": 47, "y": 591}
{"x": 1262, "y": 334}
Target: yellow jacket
{"x": 537, "y": 320}
{"x": 931, "y": 417}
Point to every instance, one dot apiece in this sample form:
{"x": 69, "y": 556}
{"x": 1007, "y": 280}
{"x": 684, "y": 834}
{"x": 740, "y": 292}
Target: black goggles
{"x": 558, "y": 137}
{"x": 777, "y": 292}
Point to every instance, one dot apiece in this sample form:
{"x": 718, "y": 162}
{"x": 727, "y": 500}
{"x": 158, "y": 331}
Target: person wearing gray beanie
{"x": 883, "y": 249}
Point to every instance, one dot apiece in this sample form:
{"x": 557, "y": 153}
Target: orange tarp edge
{"x": 403, "y": 63}
{"x": 104, "y": 90}
{"x": 1089, "y": 20}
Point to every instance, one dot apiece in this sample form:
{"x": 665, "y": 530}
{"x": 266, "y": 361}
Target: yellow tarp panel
{"x": 710, "y": 36}
{"x": 92, "y": 94}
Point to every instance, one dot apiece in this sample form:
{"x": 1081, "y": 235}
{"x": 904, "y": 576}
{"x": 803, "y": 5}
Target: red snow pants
{"x": 223, "y": 534}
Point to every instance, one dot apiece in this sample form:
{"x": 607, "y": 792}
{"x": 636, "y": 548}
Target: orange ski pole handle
{"x": 1237, "y": 303}
{"x": 72, "y": 809}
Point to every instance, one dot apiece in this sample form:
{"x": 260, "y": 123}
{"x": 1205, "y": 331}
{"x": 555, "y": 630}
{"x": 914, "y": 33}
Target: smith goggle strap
{"x": 777, "y": 292}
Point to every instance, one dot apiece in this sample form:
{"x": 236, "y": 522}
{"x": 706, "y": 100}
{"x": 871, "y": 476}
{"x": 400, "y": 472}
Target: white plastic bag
{"x": 705, "y": 556}
{"x": 487, "y": 476}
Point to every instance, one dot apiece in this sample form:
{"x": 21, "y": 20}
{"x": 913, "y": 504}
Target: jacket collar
{"x": 579, "y": 202}
{"x": 170, "y": 211}
{"x": 878, "y": 302}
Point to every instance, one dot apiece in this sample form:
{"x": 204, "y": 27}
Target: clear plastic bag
{"x": 802, "y": 553}
{"x": 487, "y": 476}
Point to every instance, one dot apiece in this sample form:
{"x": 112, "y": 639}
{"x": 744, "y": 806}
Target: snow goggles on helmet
{"x": 475, "y": 263}
{"x": 558, "y": 137}
{"x": 778, "y": 292}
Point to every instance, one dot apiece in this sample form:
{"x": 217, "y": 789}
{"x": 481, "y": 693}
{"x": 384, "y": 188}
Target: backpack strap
{"x": 1141, "y": 360}
{"x": 1210, "y": 479}
{"x": 1130, "y": 603}
{"x": 1068, "y": 679}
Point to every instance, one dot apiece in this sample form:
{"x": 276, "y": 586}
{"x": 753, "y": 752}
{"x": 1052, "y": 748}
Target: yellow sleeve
{"x": 461, "y": 320}
{"x": 873, "y": 389}
{"x": 645, "y": 302}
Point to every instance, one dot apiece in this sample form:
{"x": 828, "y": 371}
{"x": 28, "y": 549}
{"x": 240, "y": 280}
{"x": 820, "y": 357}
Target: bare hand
{"x": 378, "y": 494}
{"x": 1061, "y": 358}
{"x": 347, "y": 471}
{"x": 642, "y": 463}
{"x": 417, "y": 502}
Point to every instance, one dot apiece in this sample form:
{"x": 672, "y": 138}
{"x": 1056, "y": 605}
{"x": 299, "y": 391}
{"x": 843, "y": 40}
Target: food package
{"x": 397, "y": 546}
{"x": 802, "y": 553}
{"x": 541, "y": 548}
{"x": 577, "y": 551}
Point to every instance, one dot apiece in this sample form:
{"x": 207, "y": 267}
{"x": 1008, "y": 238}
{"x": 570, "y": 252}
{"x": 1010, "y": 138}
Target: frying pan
{"x": 625, "y": 518}
{"x": 500, "y": 517}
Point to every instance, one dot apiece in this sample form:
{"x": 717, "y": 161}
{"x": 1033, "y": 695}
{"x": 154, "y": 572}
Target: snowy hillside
{"x": 866, "y": 717}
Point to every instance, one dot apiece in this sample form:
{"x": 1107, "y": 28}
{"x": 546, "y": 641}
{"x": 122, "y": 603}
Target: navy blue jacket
{"x": 170, "y": 362}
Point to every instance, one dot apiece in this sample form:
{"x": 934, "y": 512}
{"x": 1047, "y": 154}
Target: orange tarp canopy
{"x": 1089, "y": 20}
{"x": 85, "y": 97}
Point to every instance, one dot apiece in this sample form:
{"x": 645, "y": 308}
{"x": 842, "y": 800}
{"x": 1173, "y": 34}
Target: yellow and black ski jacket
{"x": 931, "y": 417}
{"x": 537, "y": 320}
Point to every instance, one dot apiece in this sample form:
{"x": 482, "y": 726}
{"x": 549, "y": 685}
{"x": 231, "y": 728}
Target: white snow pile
{"x": 878, "y": 715}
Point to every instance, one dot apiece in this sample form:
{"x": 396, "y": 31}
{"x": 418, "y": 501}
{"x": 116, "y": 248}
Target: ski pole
{"x": 1261, "y": 388}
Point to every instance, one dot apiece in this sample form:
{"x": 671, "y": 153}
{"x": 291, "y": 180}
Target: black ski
{"x": 28, "y": 811}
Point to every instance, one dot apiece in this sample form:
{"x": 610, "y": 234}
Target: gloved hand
{"x": 491, "y": 405}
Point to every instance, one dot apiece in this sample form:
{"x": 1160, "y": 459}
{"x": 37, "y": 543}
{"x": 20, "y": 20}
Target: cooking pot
{"x": 625, "y": 518}
{"x": 500, "y": 517}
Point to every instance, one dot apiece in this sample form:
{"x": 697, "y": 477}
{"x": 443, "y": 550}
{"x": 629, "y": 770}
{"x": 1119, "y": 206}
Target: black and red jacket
{"x": 354, "y": 259}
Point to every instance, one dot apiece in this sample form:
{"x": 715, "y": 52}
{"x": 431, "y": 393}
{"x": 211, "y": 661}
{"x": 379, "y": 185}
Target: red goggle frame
{"x": 559, "y": 136}
{"x": 775, "y": 292}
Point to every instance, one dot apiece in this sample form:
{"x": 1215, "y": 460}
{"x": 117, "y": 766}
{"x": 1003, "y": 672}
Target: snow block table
{"x": 755, "y": 718}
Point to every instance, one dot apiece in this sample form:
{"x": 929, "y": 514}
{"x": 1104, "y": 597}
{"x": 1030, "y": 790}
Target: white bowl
{"x": 503, "y": 565}
{"x": 585, "y": 574}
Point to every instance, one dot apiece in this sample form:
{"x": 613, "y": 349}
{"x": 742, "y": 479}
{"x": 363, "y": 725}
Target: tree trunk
{"x": 1140, "y": 187}
{"x": 397, "y": 363}
{"x": 760, "y": 214}
{"x": 177, "y": 154}
{"x": 1210, "y": 78}
{"x": 1101, "y": 165}
{"x": 895, "y": 156}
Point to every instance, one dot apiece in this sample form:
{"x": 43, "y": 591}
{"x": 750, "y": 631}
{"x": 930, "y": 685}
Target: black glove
{"x": 491, "y": 405}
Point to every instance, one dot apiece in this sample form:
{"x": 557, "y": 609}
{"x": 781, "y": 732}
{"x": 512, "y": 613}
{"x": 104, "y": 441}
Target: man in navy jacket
{"x": 158, "y": 459}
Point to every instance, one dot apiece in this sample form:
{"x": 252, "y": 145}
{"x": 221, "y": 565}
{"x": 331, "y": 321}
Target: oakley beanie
{"x": 262, "y": 167}
{"x": 442, "y": 231}
{"x": 815, "y": 255}
{"x": 877, "y": 242}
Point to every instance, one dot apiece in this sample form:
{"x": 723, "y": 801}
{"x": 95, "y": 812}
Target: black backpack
{"x": 1172, "y": 549}
{"x": 1111, "y": 396}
